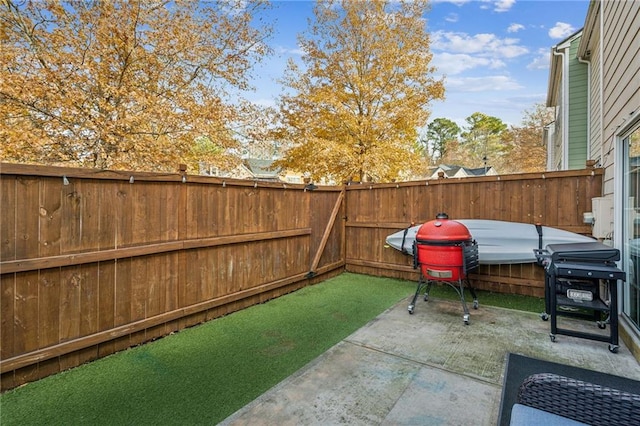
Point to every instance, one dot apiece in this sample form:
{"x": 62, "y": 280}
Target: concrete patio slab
{"x": 428, "y": 368}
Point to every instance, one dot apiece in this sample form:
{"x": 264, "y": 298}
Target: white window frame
{"x": 620, "y": 200}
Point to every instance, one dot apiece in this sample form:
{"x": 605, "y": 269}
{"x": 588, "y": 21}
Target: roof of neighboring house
{"x": 459, "y": 171}
{"x": 260, "y": 169}
{"x": 448, "y": 170}
{"x": 480, "y": 171}
{"x": 589, "y": 30}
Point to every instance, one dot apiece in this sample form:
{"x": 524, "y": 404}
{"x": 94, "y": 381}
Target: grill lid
{"x": 442, "y": 230}
{"x": 583, "y": 252}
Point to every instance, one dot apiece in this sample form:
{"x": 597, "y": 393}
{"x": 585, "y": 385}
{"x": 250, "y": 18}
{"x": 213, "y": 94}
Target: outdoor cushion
{"x": 522, "y": 415}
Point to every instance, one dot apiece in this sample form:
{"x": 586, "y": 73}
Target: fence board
{"x": 514, "y": 202}
{"x": 89, "y": 300}
{"x": 124, "y": 215}
{"x": 70, "y": 302}
{"x": 139, "y": 287}
{"x": 71, "y": 210}
{"x": 123, "y": 294}
{"x": 8, "y": 218}
{"x": 91, "y": 206}
{"x": 552, "y": 200}
{"x": 48, "y": 319}
{"x": 50, "y": 217}
{"x": 106, "y": 295}
{"x": 26, "y": 217}
{"x": 26, "y": 309}
{"x": 7, "y": 316}
{"x": 107, "y": 215}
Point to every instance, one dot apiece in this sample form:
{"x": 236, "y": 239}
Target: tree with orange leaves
{"x": 529, "y": 153}
{"x": 123, "y": 84}
{"x": 353, "y": 110}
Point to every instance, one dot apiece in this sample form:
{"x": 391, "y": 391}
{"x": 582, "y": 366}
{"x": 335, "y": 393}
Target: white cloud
{"x": 541, "y": 61}
{"x": 264, "y": 102}
{"x": 452, "y": 17}
{"x": 561, "y": 30}
{"x": 514, "y": 28}
{"x": 479, "y": 44}
{"x": 281, "y": 50}
{"x": 497, "y": 5}
{"x": 455, "y": 2}
{"x": 453, "y": 64}
{"x": 482, "y": 84}
{"x": 504, "y": 5}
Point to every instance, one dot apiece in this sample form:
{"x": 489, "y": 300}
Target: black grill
{"x": 588, "y": 264}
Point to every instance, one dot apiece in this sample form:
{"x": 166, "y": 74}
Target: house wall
{"x": 619, "y": 64}
{"x": 556, "y": 163}
{"x": 578, "y": 108}
{"x": 621, "y": 76}
{"x": 595, "y": 100}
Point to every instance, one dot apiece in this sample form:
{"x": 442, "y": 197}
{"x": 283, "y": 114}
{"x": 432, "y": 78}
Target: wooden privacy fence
{"x": 555, "y": 199}
{"x": 93, "y": 262}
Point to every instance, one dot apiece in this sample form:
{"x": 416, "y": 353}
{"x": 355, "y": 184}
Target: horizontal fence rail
{"x": 93, "y": 262}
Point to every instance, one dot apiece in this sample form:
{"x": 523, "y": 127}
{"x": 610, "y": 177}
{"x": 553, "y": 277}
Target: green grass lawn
{"x": 203, "y": 374}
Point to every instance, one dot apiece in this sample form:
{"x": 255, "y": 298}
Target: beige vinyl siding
{"x": 557, "y": 137}
{"x": 594, "y": 120}
{"x": 621, "y": 67}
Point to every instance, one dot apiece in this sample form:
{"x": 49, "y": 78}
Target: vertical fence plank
{"x": 107, "y": 215}
{"x": 89, "y": 299}
{"x": 123, "y": 295}
{"x": 124, "y": 216}
{"x": 71, "y": 210}
{"x": 156, "y": 283}
{"x": 139, "y": 286}
{"x": 8, "y": 202}
{"x": 551, "y": 200}
{"x": 49, "y": 307}
{"x": 27, "y": 217}
{"x": 70, "y": 299}
{"x": 50, "y": 217}
{"x": 7, "y": 315}
{"x": 26, "y": 312}
{"x": 106, "y": 305}
{"x": 91, "y": 206}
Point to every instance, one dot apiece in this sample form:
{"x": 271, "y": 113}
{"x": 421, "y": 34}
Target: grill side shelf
{"x": 588, "y": 270}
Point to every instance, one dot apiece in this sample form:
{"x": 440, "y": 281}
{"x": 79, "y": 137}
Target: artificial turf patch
{"x": 203, "y": 374}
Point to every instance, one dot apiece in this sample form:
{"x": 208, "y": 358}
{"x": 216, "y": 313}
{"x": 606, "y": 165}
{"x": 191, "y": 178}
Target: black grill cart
{"x": 581, "y": 280}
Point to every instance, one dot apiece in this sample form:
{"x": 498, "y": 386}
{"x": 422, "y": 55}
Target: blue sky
{"x": 494, "y": 55}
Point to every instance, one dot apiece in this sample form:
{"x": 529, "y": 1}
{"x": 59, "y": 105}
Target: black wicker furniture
{"x": 585, "y": 402}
